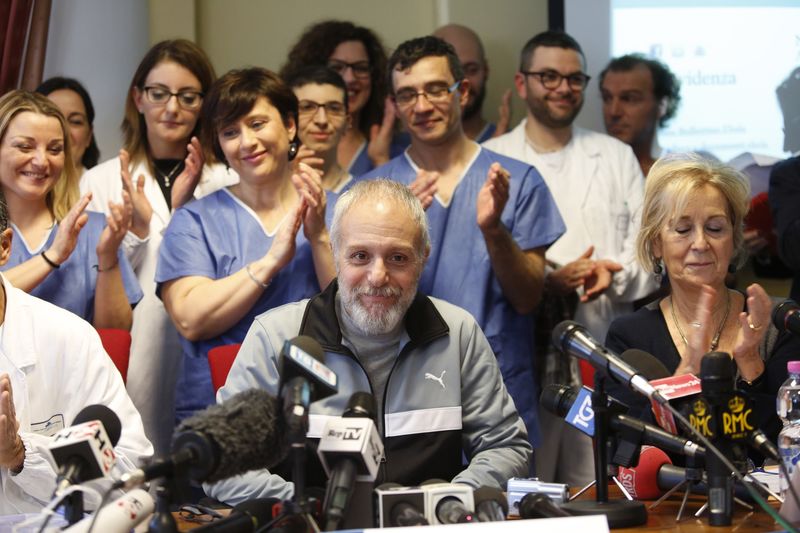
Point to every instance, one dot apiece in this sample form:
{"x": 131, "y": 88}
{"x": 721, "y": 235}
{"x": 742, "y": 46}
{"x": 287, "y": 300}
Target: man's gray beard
{"x": 369, "y": 323}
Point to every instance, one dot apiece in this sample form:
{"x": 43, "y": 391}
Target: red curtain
{"x": 23, "y": 40}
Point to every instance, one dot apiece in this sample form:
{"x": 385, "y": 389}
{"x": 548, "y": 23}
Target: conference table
{"x": 662, "y": 518}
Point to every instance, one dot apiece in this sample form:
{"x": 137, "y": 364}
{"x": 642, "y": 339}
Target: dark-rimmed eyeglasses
{"x": 310, "y": 108}
{"x": 360, "y": 68}
{"x": 551, "y": 79}
{"x": 160, "y": 96}
{"x": 434, "y": 92}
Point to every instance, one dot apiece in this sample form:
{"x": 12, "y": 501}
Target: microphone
{"x": 350, "y": 449}
{"x": 655, "y": 474}
{"x": 642, "y": 481}
{"x": 718, "y": 375}
{"x": 490, "y": 504}
{"x": 304, "y": 379}
{"x": 448, "y": 503}
{"x": 786, "y": 316}
{"x": 400, "y": 506}
{"x": 572, "y": 338}
{"x": 538, "y": 505}
{"x": 575, "y": 405}
{"x": 85, "y": 450}
{"x": 243, "y": 433}
{"x": 246, "y": 517}
{"x": 119, "y": 516}
{"x": 644, "y": 363}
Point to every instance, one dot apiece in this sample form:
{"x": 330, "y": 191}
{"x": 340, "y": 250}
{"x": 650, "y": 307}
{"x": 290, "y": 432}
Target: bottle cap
{"x": 793, "y": 367}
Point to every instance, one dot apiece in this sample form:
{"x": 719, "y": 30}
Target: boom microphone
{"x": 561, "y": 401}
{"x": 243, "y": 433}
{"x": 574, "y": 339}
{"x": 85, "y": 450}
{"x": 786, "y": 316}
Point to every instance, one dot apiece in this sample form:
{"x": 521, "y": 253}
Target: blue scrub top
{"x": 72, "y": 285}
{"x": 459, "y": 269}
{"x": 215, "y": 237}
{"x": 361, "y": 164}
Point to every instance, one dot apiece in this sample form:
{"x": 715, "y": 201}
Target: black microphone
{"x": 718, "y": 376}
{"x": 560, "y": 399}
{"x": 537, "y": 505}
{"x": 352, "y": 446}
{"x": 304, "y": 379}
{"x": 786, "y": 316}
{"x": 399, "y": 506}
{"x": 243, "y": 433}
{"x": 246, "y": 517}
{"x": 490, "y": 504}
{"x": 85, "y": 450}
{"x": 574, "y": 339}
{"x": 645, "y": 364}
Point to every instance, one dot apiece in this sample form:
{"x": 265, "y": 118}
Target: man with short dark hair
{"x": 436, "y": 384}
{"x": 598, "y": 187}
{"x": 491, "y": 217}
{"x": 640, "y": 95}
{"x": 321, "y": 121}
{"x": 471, "y": 54}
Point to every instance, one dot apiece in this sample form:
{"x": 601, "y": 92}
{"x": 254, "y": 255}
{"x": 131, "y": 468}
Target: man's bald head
{"x": 470, "y": 52}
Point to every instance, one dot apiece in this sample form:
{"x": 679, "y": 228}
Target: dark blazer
{"x": 784, "y": 200}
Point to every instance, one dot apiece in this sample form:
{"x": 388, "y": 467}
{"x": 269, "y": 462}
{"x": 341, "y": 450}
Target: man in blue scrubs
{"x": 491, "y": 217}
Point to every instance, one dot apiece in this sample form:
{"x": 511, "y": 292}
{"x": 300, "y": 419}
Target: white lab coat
{"x": 155, "y": 346}
{"x": 600, "y": 199}
{"x": 57, "y": 366}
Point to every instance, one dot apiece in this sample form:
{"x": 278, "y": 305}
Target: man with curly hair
{"x": 640, "y": 95}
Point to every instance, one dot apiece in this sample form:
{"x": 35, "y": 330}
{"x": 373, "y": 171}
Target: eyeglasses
{"x": 161, "y": 95}
{"x": 310, "y": 108}
{"x": 435, "y": 93}
{"x": 551, "y": 79}
{"x": 360, "y": 68}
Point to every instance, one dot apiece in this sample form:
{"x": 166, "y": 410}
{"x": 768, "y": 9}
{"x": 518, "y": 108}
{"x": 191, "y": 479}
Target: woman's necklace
{"x": 168, "y": 176}
{"x": 715, "y": 340}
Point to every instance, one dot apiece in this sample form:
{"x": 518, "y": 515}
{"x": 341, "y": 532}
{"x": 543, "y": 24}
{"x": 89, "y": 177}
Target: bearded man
{"x": 598, "y": 187}
{"x": 438, "y": 389}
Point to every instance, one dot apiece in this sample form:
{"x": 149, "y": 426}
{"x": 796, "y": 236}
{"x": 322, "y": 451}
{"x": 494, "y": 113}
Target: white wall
{"x": 100, "y": 43}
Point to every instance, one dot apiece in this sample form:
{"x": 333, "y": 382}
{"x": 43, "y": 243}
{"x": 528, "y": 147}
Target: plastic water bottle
{"x": 788, "y": 404}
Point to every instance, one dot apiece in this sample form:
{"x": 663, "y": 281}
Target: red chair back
{"x": 587, "y": 373}
{"x": 220, "y": 361}
{"x": 117, "y": 343}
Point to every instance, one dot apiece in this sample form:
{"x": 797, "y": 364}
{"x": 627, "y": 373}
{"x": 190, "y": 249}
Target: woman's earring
{"x": 658, "y": 270}
{"x": 293, "y": 147}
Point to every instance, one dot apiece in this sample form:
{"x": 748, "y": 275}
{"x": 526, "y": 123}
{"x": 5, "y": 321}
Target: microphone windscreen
{"x": 646, "y": 364}
{"x": 248, "y": 429}
{"x": 717, "y": 373}
{"x": 106, "y": 416}
{"x": 361, "y": 405}
{"x": 642, "y": 480}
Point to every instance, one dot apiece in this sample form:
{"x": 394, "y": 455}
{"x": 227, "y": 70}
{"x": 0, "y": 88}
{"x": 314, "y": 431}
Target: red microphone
{"x": 642, "y": 480}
